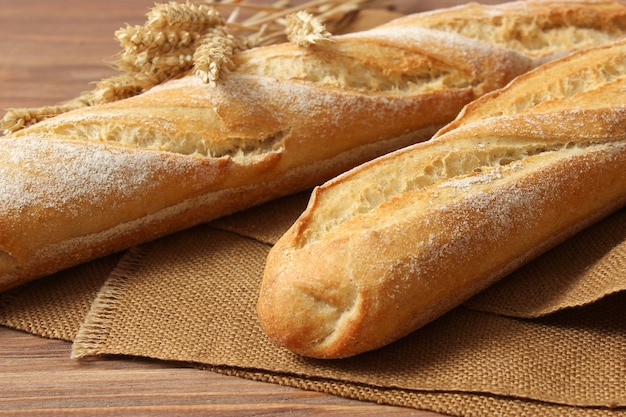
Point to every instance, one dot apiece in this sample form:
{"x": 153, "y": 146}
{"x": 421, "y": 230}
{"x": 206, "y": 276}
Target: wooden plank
{"x": 37, "y": 378}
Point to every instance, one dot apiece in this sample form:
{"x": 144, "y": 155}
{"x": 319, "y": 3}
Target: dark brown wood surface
{"x": 37, "y": 378}
{"x": 50, "y": 50}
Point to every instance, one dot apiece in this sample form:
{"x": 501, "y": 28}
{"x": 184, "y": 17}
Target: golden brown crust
{"x": 375, "y": 256}
{"x": 106, "y": 177}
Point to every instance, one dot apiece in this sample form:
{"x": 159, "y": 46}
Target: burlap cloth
{"x": 548, "y": 340}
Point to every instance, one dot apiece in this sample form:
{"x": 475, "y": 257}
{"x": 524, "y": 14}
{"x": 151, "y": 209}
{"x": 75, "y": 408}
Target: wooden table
{"x": 37, "y": 378}
{"x": 49, "y": 52}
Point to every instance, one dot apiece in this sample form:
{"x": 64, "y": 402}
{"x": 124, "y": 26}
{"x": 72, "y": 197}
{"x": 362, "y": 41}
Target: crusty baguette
{"x": 103, "y": 178}
{"x": 393, "y": 244}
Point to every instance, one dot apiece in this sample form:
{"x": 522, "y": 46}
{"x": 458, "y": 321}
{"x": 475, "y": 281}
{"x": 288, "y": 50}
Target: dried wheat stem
{"x": 188, "y": 16}
{"x": 304, "y": 29}
{"x": 311, "y": 5}
{"x": 16, "y": 119}
{"x": 119, "y": 87}
{"x": 248, "y": 6}
{"x": 214, "y": 54}
{"x": 181, "y": 37}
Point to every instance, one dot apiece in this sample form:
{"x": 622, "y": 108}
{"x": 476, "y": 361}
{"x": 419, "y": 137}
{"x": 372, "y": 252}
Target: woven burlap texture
{"x": 548, "y": 340}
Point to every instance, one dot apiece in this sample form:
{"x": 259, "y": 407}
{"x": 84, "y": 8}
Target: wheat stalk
{"x": 214, "y": 54}
{"x": 181, "y": 37}
{"x": 267, "y": 25}
{"x": 304, "y": 29}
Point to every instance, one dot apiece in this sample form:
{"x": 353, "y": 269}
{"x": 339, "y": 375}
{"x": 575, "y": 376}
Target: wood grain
{"x": 50, "y": 51}
{"x": 38, "y": 378}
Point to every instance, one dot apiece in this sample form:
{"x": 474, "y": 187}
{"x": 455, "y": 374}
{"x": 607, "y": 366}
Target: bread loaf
{"x": 395, "y": 243}
{"x": 100, "y": 179}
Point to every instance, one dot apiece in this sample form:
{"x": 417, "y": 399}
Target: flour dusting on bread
{"x": 416, "y": 232}
{"x": 283, "y": 118}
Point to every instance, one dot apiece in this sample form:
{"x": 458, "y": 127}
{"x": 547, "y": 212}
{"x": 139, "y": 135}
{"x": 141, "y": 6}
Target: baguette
{"x": 100, "y": 179}
{"x": 395, "y": 243}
